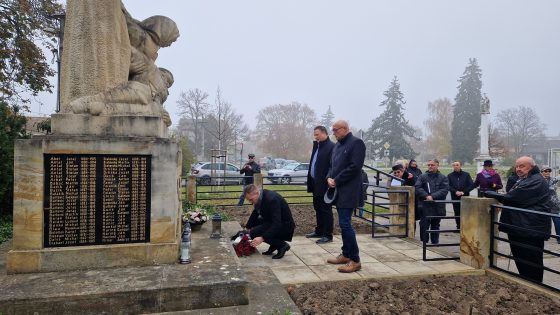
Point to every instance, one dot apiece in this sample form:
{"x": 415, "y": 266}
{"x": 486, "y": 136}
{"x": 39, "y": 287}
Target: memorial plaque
{"x": 96, "y": 199}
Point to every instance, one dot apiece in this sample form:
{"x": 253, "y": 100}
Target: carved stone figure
{"x": 146, "y": 87}
{"x": 485, "y": 105}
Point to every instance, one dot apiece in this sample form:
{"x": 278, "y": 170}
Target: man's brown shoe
{"x": 351, "y": 266}
{"x": 338, "y": 260}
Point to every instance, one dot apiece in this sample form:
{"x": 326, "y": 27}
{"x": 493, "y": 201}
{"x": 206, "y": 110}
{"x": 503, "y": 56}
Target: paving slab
{"x": 311, "y": 259}
{"x": 411, "y": 267}
{"x": 376, "y": 269}
{"x": 387, "y": 255}
{"x": 295, "y": 275}
{"x": 330, "y": 273}
{"x": 416, "y": 254}
{"x": 448, "y": 266}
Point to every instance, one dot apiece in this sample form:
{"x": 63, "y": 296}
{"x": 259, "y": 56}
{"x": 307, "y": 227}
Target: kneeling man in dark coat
{"x": 271, "y": 221}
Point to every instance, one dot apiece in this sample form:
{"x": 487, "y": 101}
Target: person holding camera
{"x": 249, "y": 169}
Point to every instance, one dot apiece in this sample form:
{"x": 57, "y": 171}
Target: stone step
{"x": 213, "y": 279}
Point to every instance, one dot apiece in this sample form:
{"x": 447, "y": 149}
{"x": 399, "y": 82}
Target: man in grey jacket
{"x": 431, "y": 186}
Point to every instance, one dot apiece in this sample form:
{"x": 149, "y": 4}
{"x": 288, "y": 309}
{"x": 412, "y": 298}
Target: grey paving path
{"x": 381, "y": 258}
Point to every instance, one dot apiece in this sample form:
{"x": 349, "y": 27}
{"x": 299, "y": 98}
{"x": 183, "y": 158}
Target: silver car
{"x": 290, "y": 173}
{"x": 203, "y": 173}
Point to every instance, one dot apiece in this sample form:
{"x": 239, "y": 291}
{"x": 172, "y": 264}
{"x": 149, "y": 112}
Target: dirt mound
{"x": 437, "y": 295}
{"x": 304, "y": 216}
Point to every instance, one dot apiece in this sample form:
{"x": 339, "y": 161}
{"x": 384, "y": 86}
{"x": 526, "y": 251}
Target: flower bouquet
{"x": 196, "y": 218}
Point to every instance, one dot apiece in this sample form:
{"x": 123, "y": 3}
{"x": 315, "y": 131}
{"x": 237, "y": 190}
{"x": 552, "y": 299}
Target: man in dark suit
{"x": 345, "y": 176}
{"x": 460, "y": 184}
{"x": 271, "y": 221}
{"x": 317, "y": 184}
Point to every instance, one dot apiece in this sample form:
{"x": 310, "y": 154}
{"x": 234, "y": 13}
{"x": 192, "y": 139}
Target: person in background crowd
{"x": 344, "y": 175}
{"x": 317, "y": 184}
{"x": 526, "y": 231}
{"x": 249, "y": 169}
{"x": 413, "y": 169}
{"x": 365, "y": 185}
{"x": 431, "y": 186}
{"x": 552, "y": 183}
{"x": 460, "y": 184}
{"x": 398, "y": 171}
{"x": 512, "y": 178}
{"x": 488, "y": 179}
{"x": 271, "y": 220}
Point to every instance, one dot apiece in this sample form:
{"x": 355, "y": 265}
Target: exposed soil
{"x": 436, "y": 295}
{"x": 304, "y": 217}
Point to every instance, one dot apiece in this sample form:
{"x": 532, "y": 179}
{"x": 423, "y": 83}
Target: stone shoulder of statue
{"x": 485, "y": 106}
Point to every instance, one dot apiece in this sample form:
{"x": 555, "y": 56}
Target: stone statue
{"x": 485, "y": 105}
{"x": 146, "y": 87}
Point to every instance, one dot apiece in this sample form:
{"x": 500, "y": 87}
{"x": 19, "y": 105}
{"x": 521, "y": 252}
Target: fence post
{"x": 191, "y": 189}
{"x": 258, "y": 180}
{"x": 396, "y": 209}
{"x": 411, "y": 210}
{"x": 475, "y": 231}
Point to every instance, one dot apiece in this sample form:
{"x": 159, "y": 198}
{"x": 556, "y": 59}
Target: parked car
{"x": 292, "y": 172}
{"x": 266, "y": 163}
{"x": 279, "y": 163}
{"x": 203, "y": 173}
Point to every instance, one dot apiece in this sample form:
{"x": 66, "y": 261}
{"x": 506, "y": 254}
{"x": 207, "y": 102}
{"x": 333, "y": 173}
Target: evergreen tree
{"x": 12, "y": 127}
{"x": 391, "y": 127}
{"x": 466, "y": 114}
{"x": 327, "y": 119}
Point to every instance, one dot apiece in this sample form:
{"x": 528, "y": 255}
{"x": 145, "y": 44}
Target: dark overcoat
{"x": 435, "y": 185}
{"x": 347, "y": 161}
{"x": 318, "y": 185}
{"x": 459, "y": 181}
{"x": 271, "y": 217}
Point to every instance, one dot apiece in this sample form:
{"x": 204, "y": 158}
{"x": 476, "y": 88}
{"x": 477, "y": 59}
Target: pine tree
{"x": 327, "y": 119}
{"x": 466, "y": 114}
{"x": 391, "y": 127}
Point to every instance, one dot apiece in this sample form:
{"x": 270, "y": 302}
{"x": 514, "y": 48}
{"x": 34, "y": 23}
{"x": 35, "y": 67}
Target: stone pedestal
{"x": 29, "y": 253}
{"x": 104, "y": 125}
{"x": 402, "y": 199}
{"x": 475, "y": 231}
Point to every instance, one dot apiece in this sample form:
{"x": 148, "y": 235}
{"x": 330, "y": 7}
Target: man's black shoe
{"x": 313, "y": 235}
{"x": 323, "y": 240}
{"x": 281, "y": 252}
{"x": 269, "y": 251}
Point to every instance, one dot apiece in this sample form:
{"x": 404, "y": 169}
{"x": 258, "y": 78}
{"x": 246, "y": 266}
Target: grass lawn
{"x": 229, "y": 195}
{"x": 5, "y": 228}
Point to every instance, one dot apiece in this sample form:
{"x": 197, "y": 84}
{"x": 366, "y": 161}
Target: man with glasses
{"x": 345, "y": 176}
{"x": 249, "y": 169}
{"x": 431, "y": 186}
{"x": 526, "y": 231}
{"x": 317, "y": 184}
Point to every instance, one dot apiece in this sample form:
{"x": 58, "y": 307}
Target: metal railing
{"x": 387, "y": 217}
{"x": 425, "y": 237}
{"x": 494, "y": 249}
{"x": 378, "y": 174}
{"x": 293, "y": 188}
{"x": 221, "y": 190}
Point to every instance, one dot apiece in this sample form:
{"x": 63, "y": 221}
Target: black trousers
{"x": 429, "y": 224}
{"x": 275, "y": 242}
{"x": 457, "y": 210}
{"x": 535, "y": 256}
{"x": 324, "y": 216}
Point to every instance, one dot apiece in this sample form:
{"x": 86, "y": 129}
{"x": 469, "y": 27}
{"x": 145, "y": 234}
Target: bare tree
{"x": 194, "y": 108}
{"x": 520, "y": 126}
{"x": 438, "y": 125}
{"x": 285, "y": 130}
{"x": 496, "y": 142}
{"x": 223, "y": 123}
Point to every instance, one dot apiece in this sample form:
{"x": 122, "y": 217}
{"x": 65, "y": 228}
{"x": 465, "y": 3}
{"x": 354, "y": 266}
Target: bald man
{"x": 526, "y": 229}
{"x": 345, "y": 175}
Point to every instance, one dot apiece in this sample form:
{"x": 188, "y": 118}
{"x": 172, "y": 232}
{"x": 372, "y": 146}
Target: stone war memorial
{"x": 103, "y": 189}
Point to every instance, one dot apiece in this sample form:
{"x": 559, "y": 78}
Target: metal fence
{"x": 553, "y": 270}
{"x": 425, "y": 244}
{"x": 385, "y": 217}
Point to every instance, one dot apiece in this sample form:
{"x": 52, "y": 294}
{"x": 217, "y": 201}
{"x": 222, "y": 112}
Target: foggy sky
{"x": 345, "y": 53}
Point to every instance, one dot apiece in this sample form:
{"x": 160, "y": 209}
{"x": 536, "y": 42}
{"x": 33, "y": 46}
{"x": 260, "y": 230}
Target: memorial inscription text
{"x": 96, "y": 199}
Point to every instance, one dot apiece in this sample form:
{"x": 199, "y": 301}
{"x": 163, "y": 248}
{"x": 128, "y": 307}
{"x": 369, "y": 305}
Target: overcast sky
{"x": 345, "y": 53}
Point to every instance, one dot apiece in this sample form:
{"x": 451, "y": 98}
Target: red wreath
{"x": 244, "y": 248}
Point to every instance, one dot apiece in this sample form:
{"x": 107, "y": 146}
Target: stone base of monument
{"x": 214, "y": 279}
{"x": 83, "y": 202}
{"x": 104, "y": 125}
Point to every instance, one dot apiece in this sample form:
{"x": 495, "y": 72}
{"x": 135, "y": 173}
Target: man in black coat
{"x": 317, "y": 184}
{"x": 431, "y": 186}
{"x": 526, "y": 229}
{"x": 271, "y": 220}
{"x": 345, "y": 176}
{"x": 248, "y": 170}
{"x": 460, "y": 184}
